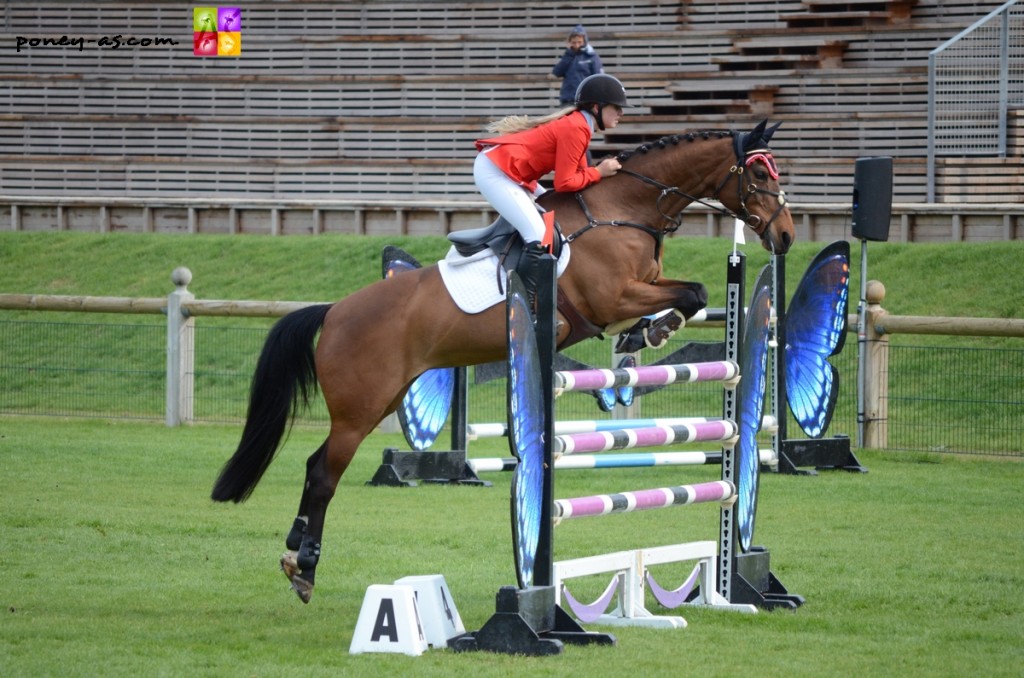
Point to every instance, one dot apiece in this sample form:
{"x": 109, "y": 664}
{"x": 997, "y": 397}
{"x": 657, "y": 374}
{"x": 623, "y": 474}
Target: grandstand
{"x": 336, "y": 112}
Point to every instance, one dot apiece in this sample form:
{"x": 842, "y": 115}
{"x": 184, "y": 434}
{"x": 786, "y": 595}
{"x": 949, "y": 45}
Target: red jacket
{"x": 559, "y": 146}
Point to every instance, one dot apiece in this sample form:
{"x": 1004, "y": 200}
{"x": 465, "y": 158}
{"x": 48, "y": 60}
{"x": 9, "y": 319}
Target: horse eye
{"x": 760, "y": 174}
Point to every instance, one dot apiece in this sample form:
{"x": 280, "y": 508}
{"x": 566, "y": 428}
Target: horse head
{"x": 735, "y": 169}
{"x": 758, "y": 200}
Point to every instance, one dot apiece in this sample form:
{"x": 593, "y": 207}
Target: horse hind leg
{"x": 323, "y": 472}
{"x": 302, "y": 585}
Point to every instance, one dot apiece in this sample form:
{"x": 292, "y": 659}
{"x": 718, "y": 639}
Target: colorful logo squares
{"x": 217, "y": 31}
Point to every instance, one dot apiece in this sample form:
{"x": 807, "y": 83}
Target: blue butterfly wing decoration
{"x": 427, "y": 403}
{"x": 751, "y": 392}
{"x": 525, "y": 431}
{"x": 426, "y": 406}
{"x": 815, "y": 330}
{"x": 607, "y": 397}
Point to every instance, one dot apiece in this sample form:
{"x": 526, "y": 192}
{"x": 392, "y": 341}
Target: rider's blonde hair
{"x": 520, "y": 123}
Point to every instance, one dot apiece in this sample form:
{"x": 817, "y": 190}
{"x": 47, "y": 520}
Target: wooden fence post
{"x": 876, "y": 372}
{"x": 180, "y": 350}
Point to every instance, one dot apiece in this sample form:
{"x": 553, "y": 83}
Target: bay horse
{"x": 402, "y": 326}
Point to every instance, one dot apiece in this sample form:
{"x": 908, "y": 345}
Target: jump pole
{"x": 624, "y": 460}
{"x": 647, "y": 375}
{"x": 644, "y": 500}
{"x": 630, "y": 567}
{"x": 602, "y": 441}
{"x": 498, "y": 430}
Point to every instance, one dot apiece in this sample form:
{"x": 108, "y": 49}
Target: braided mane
{"x": 673, "y": 140}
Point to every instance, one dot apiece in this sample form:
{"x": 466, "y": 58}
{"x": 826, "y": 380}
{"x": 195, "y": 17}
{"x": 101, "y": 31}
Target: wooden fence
{"x": 879, "y": 324}
{"x": 181, "y": 309}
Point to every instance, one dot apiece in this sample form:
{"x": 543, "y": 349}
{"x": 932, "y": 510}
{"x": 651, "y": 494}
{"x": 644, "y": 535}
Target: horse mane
{"x": 674, "y": 140}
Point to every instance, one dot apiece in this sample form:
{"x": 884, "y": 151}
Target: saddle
{"x": 502, "y": 238}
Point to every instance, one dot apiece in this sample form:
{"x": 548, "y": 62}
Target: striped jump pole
{"x": 624, "y": 439}
{"x": 721, "y": 491}
{"x": 627, "y": 460}
{"x": 646, "y": 375}
{"x": 499, "y": 430}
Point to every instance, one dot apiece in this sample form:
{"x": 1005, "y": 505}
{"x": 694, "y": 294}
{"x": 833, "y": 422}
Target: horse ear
{"x": 767, "y": 136}
{"x": 752, "y": 139}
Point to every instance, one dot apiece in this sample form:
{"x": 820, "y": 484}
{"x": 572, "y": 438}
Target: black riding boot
{"x": 529, "y": 271}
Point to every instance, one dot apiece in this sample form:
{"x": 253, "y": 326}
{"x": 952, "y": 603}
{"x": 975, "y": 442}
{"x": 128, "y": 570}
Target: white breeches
{"x": 512, "y": 201}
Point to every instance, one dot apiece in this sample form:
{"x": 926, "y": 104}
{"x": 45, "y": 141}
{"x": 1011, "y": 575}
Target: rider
{"x": 509, "y": 165}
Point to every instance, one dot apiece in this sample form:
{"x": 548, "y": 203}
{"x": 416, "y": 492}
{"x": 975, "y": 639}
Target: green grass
{"x": 116, "y": 563}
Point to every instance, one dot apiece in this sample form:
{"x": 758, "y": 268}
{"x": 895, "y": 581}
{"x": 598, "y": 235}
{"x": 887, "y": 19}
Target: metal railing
{"x": 974, "y": 79}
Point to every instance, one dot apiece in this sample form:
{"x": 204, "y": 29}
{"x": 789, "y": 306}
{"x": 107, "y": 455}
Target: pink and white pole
{"x": 647, "y": 375}
{"x": 624, "y": 439}
{"x": 721, "y": 491}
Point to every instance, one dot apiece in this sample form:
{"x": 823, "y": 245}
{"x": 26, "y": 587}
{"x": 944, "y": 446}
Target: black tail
{"x": 286, "y": 370}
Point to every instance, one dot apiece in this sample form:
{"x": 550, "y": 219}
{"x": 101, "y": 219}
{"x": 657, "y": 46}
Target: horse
{"x": 401, "y": 326}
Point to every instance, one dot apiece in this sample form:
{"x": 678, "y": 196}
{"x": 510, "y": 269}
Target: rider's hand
{"x": 608, "y": 167}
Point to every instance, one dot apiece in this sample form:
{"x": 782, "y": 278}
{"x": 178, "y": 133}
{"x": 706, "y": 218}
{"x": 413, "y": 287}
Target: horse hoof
{"x": 303, "y": 589}
{"x": 290, "y": 566}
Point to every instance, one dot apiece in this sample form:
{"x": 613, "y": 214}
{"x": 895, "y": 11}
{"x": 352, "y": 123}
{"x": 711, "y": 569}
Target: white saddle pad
{"x": 473, "y": 281}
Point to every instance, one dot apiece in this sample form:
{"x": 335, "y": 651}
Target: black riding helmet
{"x": 601, "y": 89}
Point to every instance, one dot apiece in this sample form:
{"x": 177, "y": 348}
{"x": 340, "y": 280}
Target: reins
{"x": 743, "y": 160}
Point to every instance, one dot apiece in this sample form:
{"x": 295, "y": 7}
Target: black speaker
{"x": 872, "y": 198}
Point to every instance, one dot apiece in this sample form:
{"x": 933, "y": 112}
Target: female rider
{"x": 509, "y": 165}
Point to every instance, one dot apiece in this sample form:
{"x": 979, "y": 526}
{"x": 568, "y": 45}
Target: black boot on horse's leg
{"x": 294, "y": 539}
{"x": 650, "y": 332}
{"x": 529, "y": 270}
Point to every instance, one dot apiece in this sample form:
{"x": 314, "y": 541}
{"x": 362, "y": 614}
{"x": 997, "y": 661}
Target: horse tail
{"x": 284, "y": 380}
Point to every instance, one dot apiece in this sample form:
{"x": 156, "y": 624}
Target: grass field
{"x": 116, "y": 563}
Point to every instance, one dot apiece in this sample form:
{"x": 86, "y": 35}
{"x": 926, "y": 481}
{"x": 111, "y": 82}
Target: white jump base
{"x": 631, "y": 567}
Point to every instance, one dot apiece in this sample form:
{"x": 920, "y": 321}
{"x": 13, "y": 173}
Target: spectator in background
{"x": 579, "y": 62}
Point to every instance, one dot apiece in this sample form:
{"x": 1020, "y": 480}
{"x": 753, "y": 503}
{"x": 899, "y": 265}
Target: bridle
{"x": 744, "y": 159}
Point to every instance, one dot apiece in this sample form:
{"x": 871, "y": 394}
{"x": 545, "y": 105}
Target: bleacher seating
{"x": 379, "y": 98}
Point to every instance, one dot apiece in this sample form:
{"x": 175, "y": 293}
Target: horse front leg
{"x": 666, "y": 306}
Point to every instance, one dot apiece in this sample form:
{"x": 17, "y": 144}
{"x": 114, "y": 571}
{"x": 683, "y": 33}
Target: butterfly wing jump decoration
{"x": 815, "y": 328}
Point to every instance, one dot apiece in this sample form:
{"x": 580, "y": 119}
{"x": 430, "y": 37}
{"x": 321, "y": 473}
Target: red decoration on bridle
{"x": 767, "y": 159}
